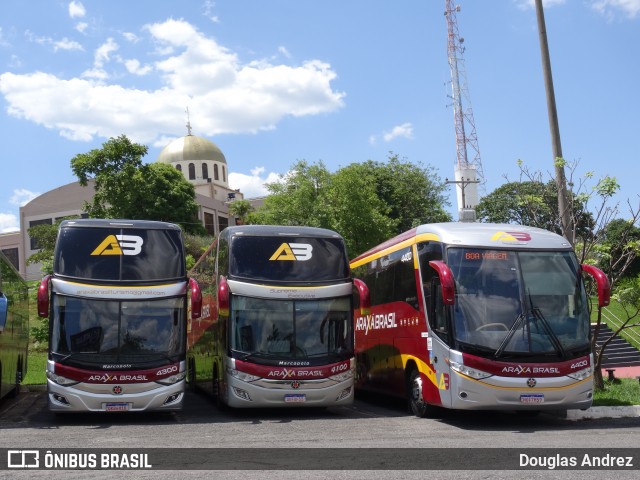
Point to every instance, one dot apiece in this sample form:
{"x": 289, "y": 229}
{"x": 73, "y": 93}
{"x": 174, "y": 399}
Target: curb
{"x": 604, "y": 412}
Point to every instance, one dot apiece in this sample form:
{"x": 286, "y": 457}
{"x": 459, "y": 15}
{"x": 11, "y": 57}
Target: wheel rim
{"x": 416, "y": 390}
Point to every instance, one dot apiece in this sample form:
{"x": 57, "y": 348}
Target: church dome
{"x": 191, "y": 148}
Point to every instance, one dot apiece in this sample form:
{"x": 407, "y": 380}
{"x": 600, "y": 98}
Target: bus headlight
{"x": 172, "y": 379}
{"x": 468, "y": 371}
{"x": 242, "y": 376}
{"x": 342, "y": 377}
{"x": 60, "y": 380}
{"x": 581, "y": 374}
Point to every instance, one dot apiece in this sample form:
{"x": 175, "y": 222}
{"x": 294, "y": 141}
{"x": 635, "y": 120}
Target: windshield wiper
{"x": 537, "y": 313}
{"x": 519, "y": 319}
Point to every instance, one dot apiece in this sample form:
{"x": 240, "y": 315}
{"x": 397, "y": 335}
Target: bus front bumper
{"x": 85, "y": 397}
{"x": 509, "y": 393}
{"x": 274, "y": 393}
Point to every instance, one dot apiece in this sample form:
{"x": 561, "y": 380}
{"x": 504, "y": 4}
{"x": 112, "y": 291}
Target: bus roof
{"x": 279, "y": 230}
{"x": 119, "y": 223}
{"x": 489, "y": 235}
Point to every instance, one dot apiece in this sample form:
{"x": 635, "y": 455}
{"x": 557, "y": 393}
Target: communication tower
{"x": 468, "y": 169}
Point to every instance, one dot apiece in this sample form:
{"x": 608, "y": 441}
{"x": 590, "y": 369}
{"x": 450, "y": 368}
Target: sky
{"x": 278, "y": 81}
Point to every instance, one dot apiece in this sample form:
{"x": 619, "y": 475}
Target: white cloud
{"x": 232, "y": 96}
{"x": 82, "y": 26}
{"x": 609, "y": 8}
{"x": 131, "y": 37}
{"x": 284, "y": 51}
{"x": 252, "y": 185}
{"x": 8, "y": 223}
{"x": 22, "y": 196}
{"x": 103, "y": 53}
{"x": 405, "y": 131}
{"x": 133, "y": 66}
{"x": 76, "y": 9}
{"x": 66, "y": 44}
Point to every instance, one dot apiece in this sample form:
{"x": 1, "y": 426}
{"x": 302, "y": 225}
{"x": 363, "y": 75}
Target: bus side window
{"x": 426, "y": 252}
{"x": 438, "y": 312}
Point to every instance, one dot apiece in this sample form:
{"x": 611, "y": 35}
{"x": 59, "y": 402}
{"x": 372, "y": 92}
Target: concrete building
{"x": 200, "y": 161}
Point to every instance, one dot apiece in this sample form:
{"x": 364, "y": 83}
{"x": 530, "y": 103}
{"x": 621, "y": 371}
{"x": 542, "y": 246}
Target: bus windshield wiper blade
{"x": 519, "y": 319}
{"x": 554, "y": 338}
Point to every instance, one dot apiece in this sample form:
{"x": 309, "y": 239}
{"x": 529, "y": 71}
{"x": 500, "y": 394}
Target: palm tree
{"x": 240, "y": 209}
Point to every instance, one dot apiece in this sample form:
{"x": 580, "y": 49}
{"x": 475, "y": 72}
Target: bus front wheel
{"x": 417, "y": 405}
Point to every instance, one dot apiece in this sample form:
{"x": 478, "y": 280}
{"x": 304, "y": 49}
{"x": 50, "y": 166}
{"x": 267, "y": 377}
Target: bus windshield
{"x": 88, "y": 332}
{"x": 514, "y": 303}
{"x": 286, "y": 329}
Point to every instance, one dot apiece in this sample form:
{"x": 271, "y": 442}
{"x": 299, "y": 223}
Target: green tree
{"x": 240, "y": 209}
{"x": 415, "y": 194}
{"x": 127, "y": 188}
{"x": 45, "y": 237}
{"x": 618, "y": 252}
{"x": 355, "y": 210}
{"x": 365, "y": 202}
{"x": 532, "y": 203}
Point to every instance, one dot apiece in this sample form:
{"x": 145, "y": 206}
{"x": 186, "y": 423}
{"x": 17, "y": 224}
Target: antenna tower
{"x": 468, "y": 170}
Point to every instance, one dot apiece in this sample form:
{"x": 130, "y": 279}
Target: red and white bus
{"x": 477, "y": 316}
{"x": 117, "y": 308}
{"x": 14, "y": 328}
{"x": 277, "y": 319}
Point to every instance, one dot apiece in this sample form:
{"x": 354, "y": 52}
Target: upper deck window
{"x": 116, "y": 254}
{"x": 288, "y": 259}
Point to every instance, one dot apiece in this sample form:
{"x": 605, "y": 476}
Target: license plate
{"x": 295, "y": 398}
{"x": 538, "y": 398}
{"x": 116, "y": 407}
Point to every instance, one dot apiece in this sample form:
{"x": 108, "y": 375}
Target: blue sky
{"x": 274, "y": 82}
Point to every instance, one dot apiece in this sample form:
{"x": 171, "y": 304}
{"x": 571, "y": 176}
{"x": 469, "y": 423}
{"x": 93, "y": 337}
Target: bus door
{"x": 438, "y": 342}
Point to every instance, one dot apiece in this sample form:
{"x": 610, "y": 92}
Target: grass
{"x": 36, "y": 368}
{"x": 619, "y": 392}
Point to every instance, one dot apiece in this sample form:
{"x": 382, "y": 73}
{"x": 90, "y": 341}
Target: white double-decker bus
{"x": 277, "y": 318}
{"x": 117, "y": 307}
{"x": 477, "y": 316}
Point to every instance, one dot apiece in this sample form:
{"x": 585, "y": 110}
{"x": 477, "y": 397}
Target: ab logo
{"x": 119, "y": 245}
{"x": 293, "y": 251}
{"x": 511, "y": 237}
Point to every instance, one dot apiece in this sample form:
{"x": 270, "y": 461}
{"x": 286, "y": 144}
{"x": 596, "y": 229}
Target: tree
{"x": 240, "y": 209}
{"x": 531, "y": 203}
{"x": 619, "y": 249}
{"x": 356, "y": 211}
{"x": 127, "y": 188}
{"x": 298, "y": 198}
{"x": 414, "y": 194}
{"x": 365, "y": 202}
{"x": 45, "y": 237}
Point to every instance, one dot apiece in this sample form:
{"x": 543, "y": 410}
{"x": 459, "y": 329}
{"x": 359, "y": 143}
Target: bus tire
{"x": 16, "y": 389}
{"x": 215, "y": 389}
{"x": 191, "y": 374}
{"x": 417, "y": 405}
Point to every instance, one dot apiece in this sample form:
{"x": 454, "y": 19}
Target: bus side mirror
{"x": 604, "y": 288}
{"x": 43, "y": 297}
{"x": 446, "y": 281}
{"x": 363, "y": 293}
{"x": 196, "y": 298}
{"x": 223, "y": 297}
{"x": 4, "y": 306}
